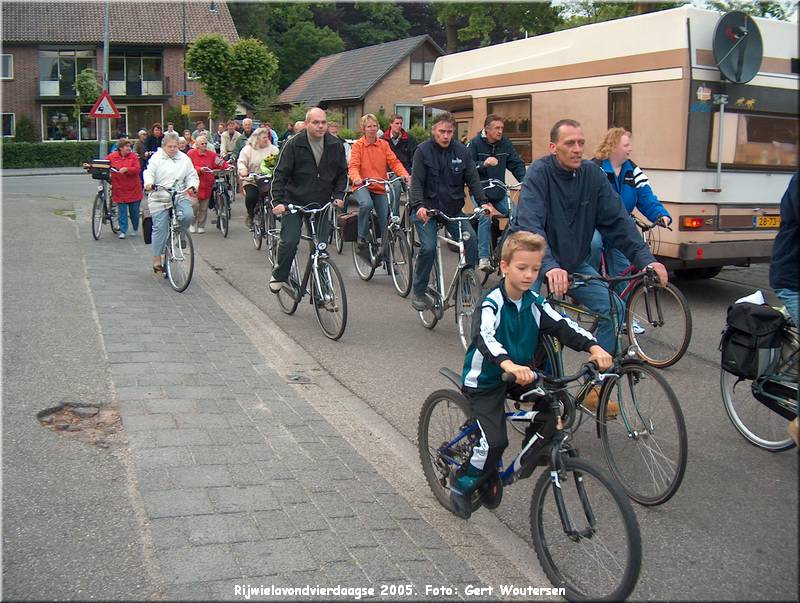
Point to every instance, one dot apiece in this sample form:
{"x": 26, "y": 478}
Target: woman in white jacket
{"x": 258, "y": 147}
{"x": 167, "y": 168}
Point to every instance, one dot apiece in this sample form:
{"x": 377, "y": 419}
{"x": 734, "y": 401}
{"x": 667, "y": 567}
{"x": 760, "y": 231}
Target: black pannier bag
{"x": 348, "y": 225}
{"x": 752, "y": 340}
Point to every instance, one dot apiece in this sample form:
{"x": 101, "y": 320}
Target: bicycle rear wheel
{"x": 364, "y": 260}
{"x": 758, "y": 424}
{"x": 468, "y": 299}
{"x": 646, "y": 444}
{"x": 444, "y": 441}
{"x": 113, "y": 217}
{"x": 601, "y": 558}
{"x": 336, "y": 232}
{"x": 223, "y": 212}
{"x": 98, "y": 215}
{"x": 401, "y": 264}
{"x": 273, "y": 238}
{"x": 666, "y": 333}
{"x": 289, "y": 295}
{"x": 179, "y": 259}
{"x": 259, "y": 225}
{"x": 330, "y": 299}
{"x": 430, "y": 316}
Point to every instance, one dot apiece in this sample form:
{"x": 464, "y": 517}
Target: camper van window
{"x": 757, "y": 141}
{"x": 516, "y": 114}
{"x": 619, "y": 108}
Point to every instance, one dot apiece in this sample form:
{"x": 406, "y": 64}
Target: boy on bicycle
{"x": 511, "y": 320}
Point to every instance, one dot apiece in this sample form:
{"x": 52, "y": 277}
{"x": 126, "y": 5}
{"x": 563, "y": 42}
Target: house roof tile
{"x": 351, "y": 74}
{"x": 129, "y": 22}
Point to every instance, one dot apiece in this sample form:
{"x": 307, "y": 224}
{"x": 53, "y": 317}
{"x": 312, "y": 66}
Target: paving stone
{"x": 377, "y": 564}
{"x": 177, "y": 502}
{"x": 306, "y": 517}
{"x": 422, "y": 533}
{"x": 202, "y": 420}
{"x": 275, "y": 524}
{"x": 169, "y": 406}
{"x": 196, "y": 392}
{"x": 234, "y": 499}
{"x": 218, "y": 455}
{"x": 169, "y": 532}
{"x": 247, "y": 474}
{"x": 148, "y": 458}
{"x": 148, "y": 422}
{"x": 396, "y": 506}
{"x": 198, "y": 563}
{"x": 289, "y": 491}
{"x": 303, "y": 433}
{"x": 275, "y": 556}
{"x": 142, "y": 439}
{"x": 200, "y": 476}
{"x": 260, "y": 452}
{"x": 198, "y": 591}
{"x": 351, "y": 533}
{"x": 452, "y": 566}
{"x": 220, "y": 528}
{"x": 332, "y": 504}
{"x": 182, "y": 437}
{"x": 346, "y": 573}
{"x": 422, "y": 571}
{"x": 372, "y": 515}
{"x": 399, "y": 546}
{"x": 325, "y": 546}
{"x": 154, "y": 479}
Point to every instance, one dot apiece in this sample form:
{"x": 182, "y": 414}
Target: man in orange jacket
{"x": 371, "y": 157}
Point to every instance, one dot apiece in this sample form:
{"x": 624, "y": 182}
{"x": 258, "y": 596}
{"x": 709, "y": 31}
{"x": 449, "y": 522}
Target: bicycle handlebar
{"x": 644, "y": 226}
{"x": 577, "y": 279}
{"x": 367, "y": 181}
{"x": 304, "y": 210}
{"x": 587, "y": 369}
{"x": 494, "y": 182}
{"x": 435, "y": 213}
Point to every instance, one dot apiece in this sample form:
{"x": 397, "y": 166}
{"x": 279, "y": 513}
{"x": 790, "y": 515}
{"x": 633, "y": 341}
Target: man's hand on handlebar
{"x": 600, "y": 357}
{"x": 490, "y": 209}
{"x": 338, "y": 203}
{"x": 557, "y": 281}
{"x": 407, "y": 180}
{"x": 661, "y": 271}
{"x": 279, "y": 209}
{"x": 422, "y": 214}
{"x": 523, "y": 375}
{"x": 490, "y": 161}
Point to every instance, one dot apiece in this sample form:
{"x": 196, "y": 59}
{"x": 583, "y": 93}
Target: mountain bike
{"x": 760, "y": 408}
{"x": 583, "y": 527}
{"x": 498, "y": 238}
{"x": 645, "y": 445}
{"x": 221, "y": 196}
{"x": 104, "y": 211}
{"x": 464, "y": 292}
{"x": 179, "y": 249}
{"x": 392, "y": 248}
{"x": 321, "y": 279}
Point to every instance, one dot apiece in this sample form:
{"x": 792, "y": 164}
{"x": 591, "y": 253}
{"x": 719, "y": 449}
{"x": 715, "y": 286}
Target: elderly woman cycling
{"x": 258, "y": 147}
{"x": 169, "y": 168}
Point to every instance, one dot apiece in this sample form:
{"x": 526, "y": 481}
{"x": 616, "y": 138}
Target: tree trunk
{"x": 452, "y": 34}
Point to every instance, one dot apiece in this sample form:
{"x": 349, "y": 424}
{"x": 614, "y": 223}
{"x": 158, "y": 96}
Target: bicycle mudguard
{"x": 452, "y": 376}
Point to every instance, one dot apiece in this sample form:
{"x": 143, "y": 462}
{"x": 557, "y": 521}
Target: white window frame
{"x": 11, "y": 67}
{"x": 13, "y": 125}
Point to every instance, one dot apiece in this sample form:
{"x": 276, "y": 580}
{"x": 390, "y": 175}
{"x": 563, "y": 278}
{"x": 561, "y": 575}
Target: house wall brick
{"x": 395, "y": 88}
{"x": 19, "y": 93}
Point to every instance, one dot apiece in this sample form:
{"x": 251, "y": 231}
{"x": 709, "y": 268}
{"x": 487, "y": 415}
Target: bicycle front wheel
{"x": 273, "y": 238}
{"x": 430, "y": 316}
{"x": 223, "y": 212}
{"x": 259, "y": 225}
{"x": 585, "y": 533}
{"x": 289, "y": 295}
{"x": 179, "y": 259}
{"x": 98, "y": 215}
{"x": 336, "y": 232}
{"x": 330, "y": 299}
{"x": 401, "y": 264}
{"x": 364, "y": 260}
{"x": 663, "y": 314}
{"x": 758, "y": 424}
{"x": 468, "y": 299}
{"x": 444, "y": 440}
{"x": 645, "y": 445}
{"x": 113, "y": 217}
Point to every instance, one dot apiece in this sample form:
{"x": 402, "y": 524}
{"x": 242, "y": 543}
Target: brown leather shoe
{"x": 794, "y": 431}
{"x": 593, "y": 397}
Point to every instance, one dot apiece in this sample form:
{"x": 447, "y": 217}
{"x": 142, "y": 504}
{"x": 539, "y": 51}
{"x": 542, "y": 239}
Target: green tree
{"x": 24, "y": 130}
{"x": 252, "y": 68}
{"x": 583, "y": 12}
{"x": 301, "y": 46}
{"x": 771, "y": 10}
{"x": 87, "y": 90}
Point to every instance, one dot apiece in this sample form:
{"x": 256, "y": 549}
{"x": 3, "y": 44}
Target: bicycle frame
{"x": 313, "y": 258}
{"x": 393, "y": 220}
{"x": 448, "y": 300}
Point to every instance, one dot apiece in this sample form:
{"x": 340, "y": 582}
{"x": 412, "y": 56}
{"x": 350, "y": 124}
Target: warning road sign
{"x": 104, "y": 107}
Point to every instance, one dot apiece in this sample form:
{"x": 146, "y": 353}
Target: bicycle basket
{"x": 100, "y": 169}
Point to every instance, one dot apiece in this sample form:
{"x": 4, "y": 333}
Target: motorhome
{"x": 656, "y": 75}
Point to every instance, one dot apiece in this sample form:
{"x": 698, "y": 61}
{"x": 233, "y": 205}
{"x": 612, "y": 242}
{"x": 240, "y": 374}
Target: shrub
{"x": 24, "y": 130}
{"x": 173, "y": 114}
{"x": 349, "y": 134}
{"x": 420, "y": 133}
{"x": 49, "y": 154}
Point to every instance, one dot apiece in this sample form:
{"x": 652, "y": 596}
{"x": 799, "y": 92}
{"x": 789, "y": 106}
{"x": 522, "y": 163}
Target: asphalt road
{"x": 731, "y": 530}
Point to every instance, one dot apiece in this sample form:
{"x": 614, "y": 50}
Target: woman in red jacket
{"x": 204, "y": 161}
{"x": 126, "y": 187}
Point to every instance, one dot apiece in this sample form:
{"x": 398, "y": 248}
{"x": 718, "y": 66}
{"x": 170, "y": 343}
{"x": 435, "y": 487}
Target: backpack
{"x": 752, "y": 340}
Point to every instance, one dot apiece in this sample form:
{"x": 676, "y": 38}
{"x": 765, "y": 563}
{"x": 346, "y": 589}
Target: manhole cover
{"x": 90, "y": 423}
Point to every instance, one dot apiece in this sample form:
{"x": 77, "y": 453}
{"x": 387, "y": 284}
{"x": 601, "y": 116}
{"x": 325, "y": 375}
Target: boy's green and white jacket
{"x": 510, "y": 330}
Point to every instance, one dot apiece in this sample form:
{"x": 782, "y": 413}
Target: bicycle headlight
{"x": 321, "y": 246}
{"x": 395, "y": 219}
{"x": 466, "y": 236}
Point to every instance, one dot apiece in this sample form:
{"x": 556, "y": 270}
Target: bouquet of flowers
{"x": 268, "y": 165}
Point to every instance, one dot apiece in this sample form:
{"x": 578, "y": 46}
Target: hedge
{"x": 47, "y": 154}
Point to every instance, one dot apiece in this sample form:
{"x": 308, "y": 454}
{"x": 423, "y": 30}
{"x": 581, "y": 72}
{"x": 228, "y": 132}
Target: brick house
{"x": 388, "y": 76}
{"x": 46, "y": 44}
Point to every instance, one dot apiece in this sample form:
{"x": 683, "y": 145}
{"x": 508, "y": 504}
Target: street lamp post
{"x": 104, "y": 122}
{"x": 185, "y": 82}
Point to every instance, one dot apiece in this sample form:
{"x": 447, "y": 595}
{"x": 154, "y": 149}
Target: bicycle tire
{"x": 660, "y": 345}
{"x": 607, "y": 557}
{"x": 468, "y": 299}
{"x": 333, "y": 303}
{"x": 401, "y": 264}
{"x": 223, "y": 212}
{"x": 364, "y": 261}
{"x": 113, "y": 219}
{"x": 179, "y": 258}
{"x": 289, "y": 295}
{"x": 758, "y": 424}
{"x": 273, "y": 238}
{"x": 430, "y": 316}
{"x": 98, "y": 215}
{"x": 336, "y": 232}
{"x": 259, "y": 224}
{"x": 443, "y": 414}
{"x": 646, "y": 444}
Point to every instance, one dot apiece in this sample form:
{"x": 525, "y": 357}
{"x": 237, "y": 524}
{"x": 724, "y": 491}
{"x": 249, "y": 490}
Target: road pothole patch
{"x": 93, "y": 424}
{"x": 66, "y": 213}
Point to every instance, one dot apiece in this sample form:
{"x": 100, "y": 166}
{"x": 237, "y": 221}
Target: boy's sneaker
{"x": 485, "y": 264}
{"x": 465, "y": 483}
{"x": 593, "y": 397}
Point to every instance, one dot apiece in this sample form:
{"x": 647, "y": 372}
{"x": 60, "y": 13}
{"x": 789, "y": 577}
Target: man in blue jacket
{"x": 493, "y": 153}
{"x": 565, "y": 198}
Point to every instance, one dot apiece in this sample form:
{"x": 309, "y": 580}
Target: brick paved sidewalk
{"x": 243, "y": 482}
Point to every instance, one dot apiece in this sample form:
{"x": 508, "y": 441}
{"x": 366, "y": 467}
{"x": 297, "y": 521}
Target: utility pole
{"x": 104, "y": 122}
{"x": 185, "y": 81}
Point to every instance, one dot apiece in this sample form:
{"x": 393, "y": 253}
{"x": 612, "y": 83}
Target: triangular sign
{"x": 104, "y": 107}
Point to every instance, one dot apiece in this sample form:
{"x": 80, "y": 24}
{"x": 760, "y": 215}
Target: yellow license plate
{"x": 768, "y": 221}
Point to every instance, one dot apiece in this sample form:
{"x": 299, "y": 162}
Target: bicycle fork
{"x": 556, "y": 463}
{"x": 652, "y": 291}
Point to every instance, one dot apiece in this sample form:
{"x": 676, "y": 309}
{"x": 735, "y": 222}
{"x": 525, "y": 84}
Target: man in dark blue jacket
{"x": 784, "y": 269}
{"x": 493, "y": 153}
{"x": 441, "y": 169}
{"x": 565, "y": 198}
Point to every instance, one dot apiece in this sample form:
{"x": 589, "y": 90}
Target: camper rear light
{"x": 696, "y": 223}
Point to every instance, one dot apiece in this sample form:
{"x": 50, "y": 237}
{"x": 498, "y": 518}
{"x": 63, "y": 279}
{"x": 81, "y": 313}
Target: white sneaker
{"x": 122, "y": 235}
{"x": 201, "y": 230}
{"x": 485, "y": 264}
{"x": 192, "y": 229}
{"x": 637, "y": 328}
